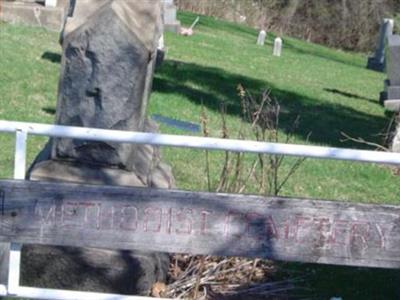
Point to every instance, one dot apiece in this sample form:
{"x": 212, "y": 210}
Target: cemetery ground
{"x": 330, "y": 90}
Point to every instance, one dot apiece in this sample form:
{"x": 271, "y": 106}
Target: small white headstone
{"x": 51, "y": 3}
{"x": 278, "y": 47}
{"x": 261, "y": 38}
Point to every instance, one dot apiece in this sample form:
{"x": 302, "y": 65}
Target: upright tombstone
{"x": 261, "y": 38}
{"x": 377, "y": 62}
{"x": 278, "y": 47}
{"x": 51, "y": 3}
{"x": 169, "y": 16}
{"x": 109, "y": 56}
{"x": 391, "y": 95}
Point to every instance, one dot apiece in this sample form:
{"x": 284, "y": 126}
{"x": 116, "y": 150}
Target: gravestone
{"x": 278, "y": 47}
{"x": 169, "y": 16}
{"x": 391, "y": 95}
{"x": 261, "y": 38}
{"x": 109, "y": 56}
{"x": 51, "y": 3}
{"x": 377, "y": 62}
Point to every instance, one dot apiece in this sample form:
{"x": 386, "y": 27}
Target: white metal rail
{"x": 22, "y": 130}
{"x": 93, "y": 134}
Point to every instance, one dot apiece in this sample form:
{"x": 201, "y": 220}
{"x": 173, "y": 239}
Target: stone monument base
{"x": 392, "y": 105}
{"x": 122, "y": 272}
{"x": 57, "y": 170}
{"x": 94, "y": 270}
{"x": 390, "y": 97}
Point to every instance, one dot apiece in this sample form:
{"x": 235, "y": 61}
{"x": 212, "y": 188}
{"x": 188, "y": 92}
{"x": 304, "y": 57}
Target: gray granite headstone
{"x": 171, "y": 22}
{"x": 109, "y": 54}
{"x": 393, "y": 60}
{"x": 377, "y": 62}
{"x": 391, "y": 95}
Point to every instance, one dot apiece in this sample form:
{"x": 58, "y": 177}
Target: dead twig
{"x": 364, "y": 142}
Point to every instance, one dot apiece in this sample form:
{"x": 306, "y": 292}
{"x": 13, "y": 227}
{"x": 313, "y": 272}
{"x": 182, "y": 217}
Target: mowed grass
{"x": 330, "y": 90}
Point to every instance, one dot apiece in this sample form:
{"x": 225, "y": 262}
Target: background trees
{"x": 346, "y": 24}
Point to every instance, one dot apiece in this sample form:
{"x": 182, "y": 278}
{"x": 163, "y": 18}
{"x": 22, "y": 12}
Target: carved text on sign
{"x": 321, "y": 231}
{"x": 286, "y": 229}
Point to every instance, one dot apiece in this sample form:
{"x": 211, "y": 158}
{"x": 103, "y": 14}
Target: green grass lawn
{"x": 331, "y": 91}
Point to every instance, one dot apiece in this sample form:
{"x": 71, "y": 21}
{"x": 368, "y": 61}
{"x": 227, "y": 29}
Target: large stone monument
{"x": 377, "y": 62}
{"x": 109, "y": 54}
{"x": 391, "y": 95}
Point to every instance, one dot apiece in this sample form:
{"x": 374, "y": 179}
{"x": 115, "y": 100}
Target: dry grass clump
{"x": 212, "y": 278}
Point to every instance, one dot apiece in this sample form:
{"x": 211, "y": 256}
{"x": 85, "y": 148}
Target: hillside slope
{"x": 331, "y": 91}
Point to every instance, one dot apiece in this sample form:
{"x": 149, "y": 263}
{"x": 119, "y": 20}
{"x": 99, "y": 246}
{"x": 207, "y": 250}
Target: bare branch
{"x": 362, "y": 141}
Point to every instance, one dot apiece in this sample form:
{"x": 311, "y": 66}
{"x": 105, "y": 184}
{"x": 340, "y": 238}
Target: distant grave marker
{"x": 169, "y": 16}
{"x": 51, "y": 3}
{"x": 377, "y": 62}
{"x": 261, "y": 38}
{"x": 278, "y": 47}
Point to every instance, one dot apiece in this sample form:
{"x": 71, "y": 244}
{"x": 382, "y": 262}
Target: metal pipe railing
{"x": 93, "y": 134}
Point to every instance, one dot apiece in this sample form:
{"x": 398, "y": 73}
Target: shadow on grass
{"x": 325, "y": 121}
{"x": 350, "y": 95}
{"x": 52, "y": 57}
{"x": 320, "y": 53}
{"x": 344, "y": 282}
{"x": 49, "y": 110}
{"x": 213, "y": 86}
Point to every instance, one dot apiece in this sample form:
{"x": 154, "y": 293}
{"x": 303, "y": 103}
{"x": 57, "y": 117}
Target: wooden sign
{"x": 200, "y": 223}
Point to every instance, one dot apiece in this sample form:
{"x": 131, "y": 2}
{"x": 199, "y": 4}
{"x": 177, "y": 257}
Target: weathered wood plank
{"x": 200, "y": 223}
